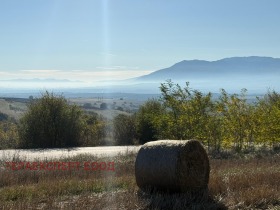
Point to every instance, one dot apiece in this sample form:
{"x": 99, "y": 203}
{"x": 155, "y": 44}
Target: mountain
{"x": 228, "y": 67}
{"x": 255, "y": 73}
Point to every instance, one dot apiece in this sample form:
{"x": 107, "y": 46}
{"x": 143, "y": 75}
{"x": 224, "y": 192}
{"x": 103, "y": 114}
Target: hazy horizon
{"x": 92, "y": 43}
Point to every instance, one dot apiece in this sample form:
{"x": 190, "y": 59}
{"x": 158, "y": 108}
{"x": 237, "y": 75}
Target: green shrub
{"x": 51, "y": 122}
{"x": 124, "y": 131}
{"x": 3, "y": 117}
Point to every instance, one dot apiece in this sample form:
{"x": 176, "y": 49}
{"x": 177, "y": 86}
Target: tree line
{"x": 229, "y": 122}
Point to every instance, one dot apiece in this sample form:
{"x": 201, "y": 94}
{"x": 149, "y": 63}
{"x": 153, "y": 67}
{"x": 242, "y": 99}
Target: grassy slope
{"x": 19, "y": 107}
{"x": 17, "y": 110}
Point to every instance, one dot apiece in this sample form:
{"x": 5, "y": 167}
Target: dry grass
{"x": 252, "y": 183}
{"x": 18, "y": 108}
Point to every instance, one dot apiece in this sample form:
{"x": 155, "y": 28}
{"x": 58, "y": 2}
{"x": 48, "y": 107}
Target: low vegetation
{"x": 229, "y": 122}
{"x": 242, "y": 140}
{"x": 50, "y": 122}
{"x": 248, "y": 182}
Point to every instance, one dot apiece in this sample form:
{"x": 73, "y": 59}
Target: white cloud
{"x": 77, "y": 78}
{"x": 4, "y": 73}
{"x": 108, "y": 54}
{"x": 111, "y": 73}
{"x": 43, "y": 71}
{"x": 111, "y": 67}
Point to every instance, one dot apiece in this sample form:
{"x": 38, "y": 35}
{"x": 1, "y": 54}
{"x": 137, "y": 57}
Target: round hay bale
{"x": 172, "y": 165}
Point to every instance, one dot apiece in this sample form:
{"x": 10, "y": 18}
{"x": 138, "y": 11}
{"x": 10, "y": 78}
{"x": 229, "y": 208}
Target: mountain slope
{"x": 255, "y": 73}
{"x": 228, "y": 67}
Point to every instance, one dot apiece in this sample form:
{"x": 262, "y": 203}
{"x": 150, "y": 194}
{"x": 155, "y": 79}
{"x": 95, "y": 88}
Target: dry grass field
{"x": 250, "y": 182}
{"x": 15, "y": 108}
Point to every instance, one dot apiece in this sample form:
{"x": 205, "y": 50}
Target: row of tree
{"x": 228, "y": 122}
{"x": 181, "y": 113}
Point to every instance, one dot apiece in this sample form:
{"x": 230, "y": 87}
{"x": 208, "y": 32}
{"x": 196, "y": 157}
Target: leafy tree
{"x": 51, "y": 122}
{"x": 94, "y": 130}
{"x": 229, "y": 122}
{"x": 103, "y": 106}
{"x": 87, "y": 106}
{"x": 145, "y": 118}
{"x": 213, "y": 130}
{"x": 124, "y": 131}
{"x": 268, "y": 119}
{"x": 8, "y": 135}
{"x": 120, "y": 108}
{"x": 238, "y": 124}
{"x": 3, "y": 117}
{"x": 187, "y": 112}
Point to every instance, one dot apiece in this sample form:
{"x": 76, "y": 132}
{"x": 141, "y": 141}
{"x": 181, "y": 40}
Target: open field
{"x": 251, "y": 182}
{"x": 46, "y": 154}
{"x": 12, "y": 108}
{"x": 16, "y": 107}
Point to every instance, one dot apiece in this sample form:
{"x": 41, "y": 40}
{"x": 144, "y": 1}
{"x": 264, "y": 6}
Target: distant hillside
{"x": 228, "y": 67}
{"x": 255, "y": 73}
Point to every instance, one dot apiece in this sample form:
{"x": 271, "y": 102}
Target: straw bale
{"x": 172, "y": 165}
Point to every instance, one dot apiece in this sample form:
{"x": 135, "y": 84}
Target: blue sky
{"x": 98, "y": 39}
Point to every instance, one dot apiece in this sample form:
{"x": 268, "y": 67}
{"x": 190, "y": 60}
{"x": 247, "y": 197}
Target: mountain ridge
{"x": 232, "y": 65}
{"x": 255, "y": 73}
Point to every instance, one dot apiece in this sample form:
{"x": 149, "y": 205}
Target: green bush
{"x": 228, "y": 122}
{"x": 145, "y": 119}
{"x": 94, "y": 132}
{"x": 8, "y": 135}
{"x": 51, "y": 122}
{"x": 124, "y": 131}
{"x": 3, "y": 117}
